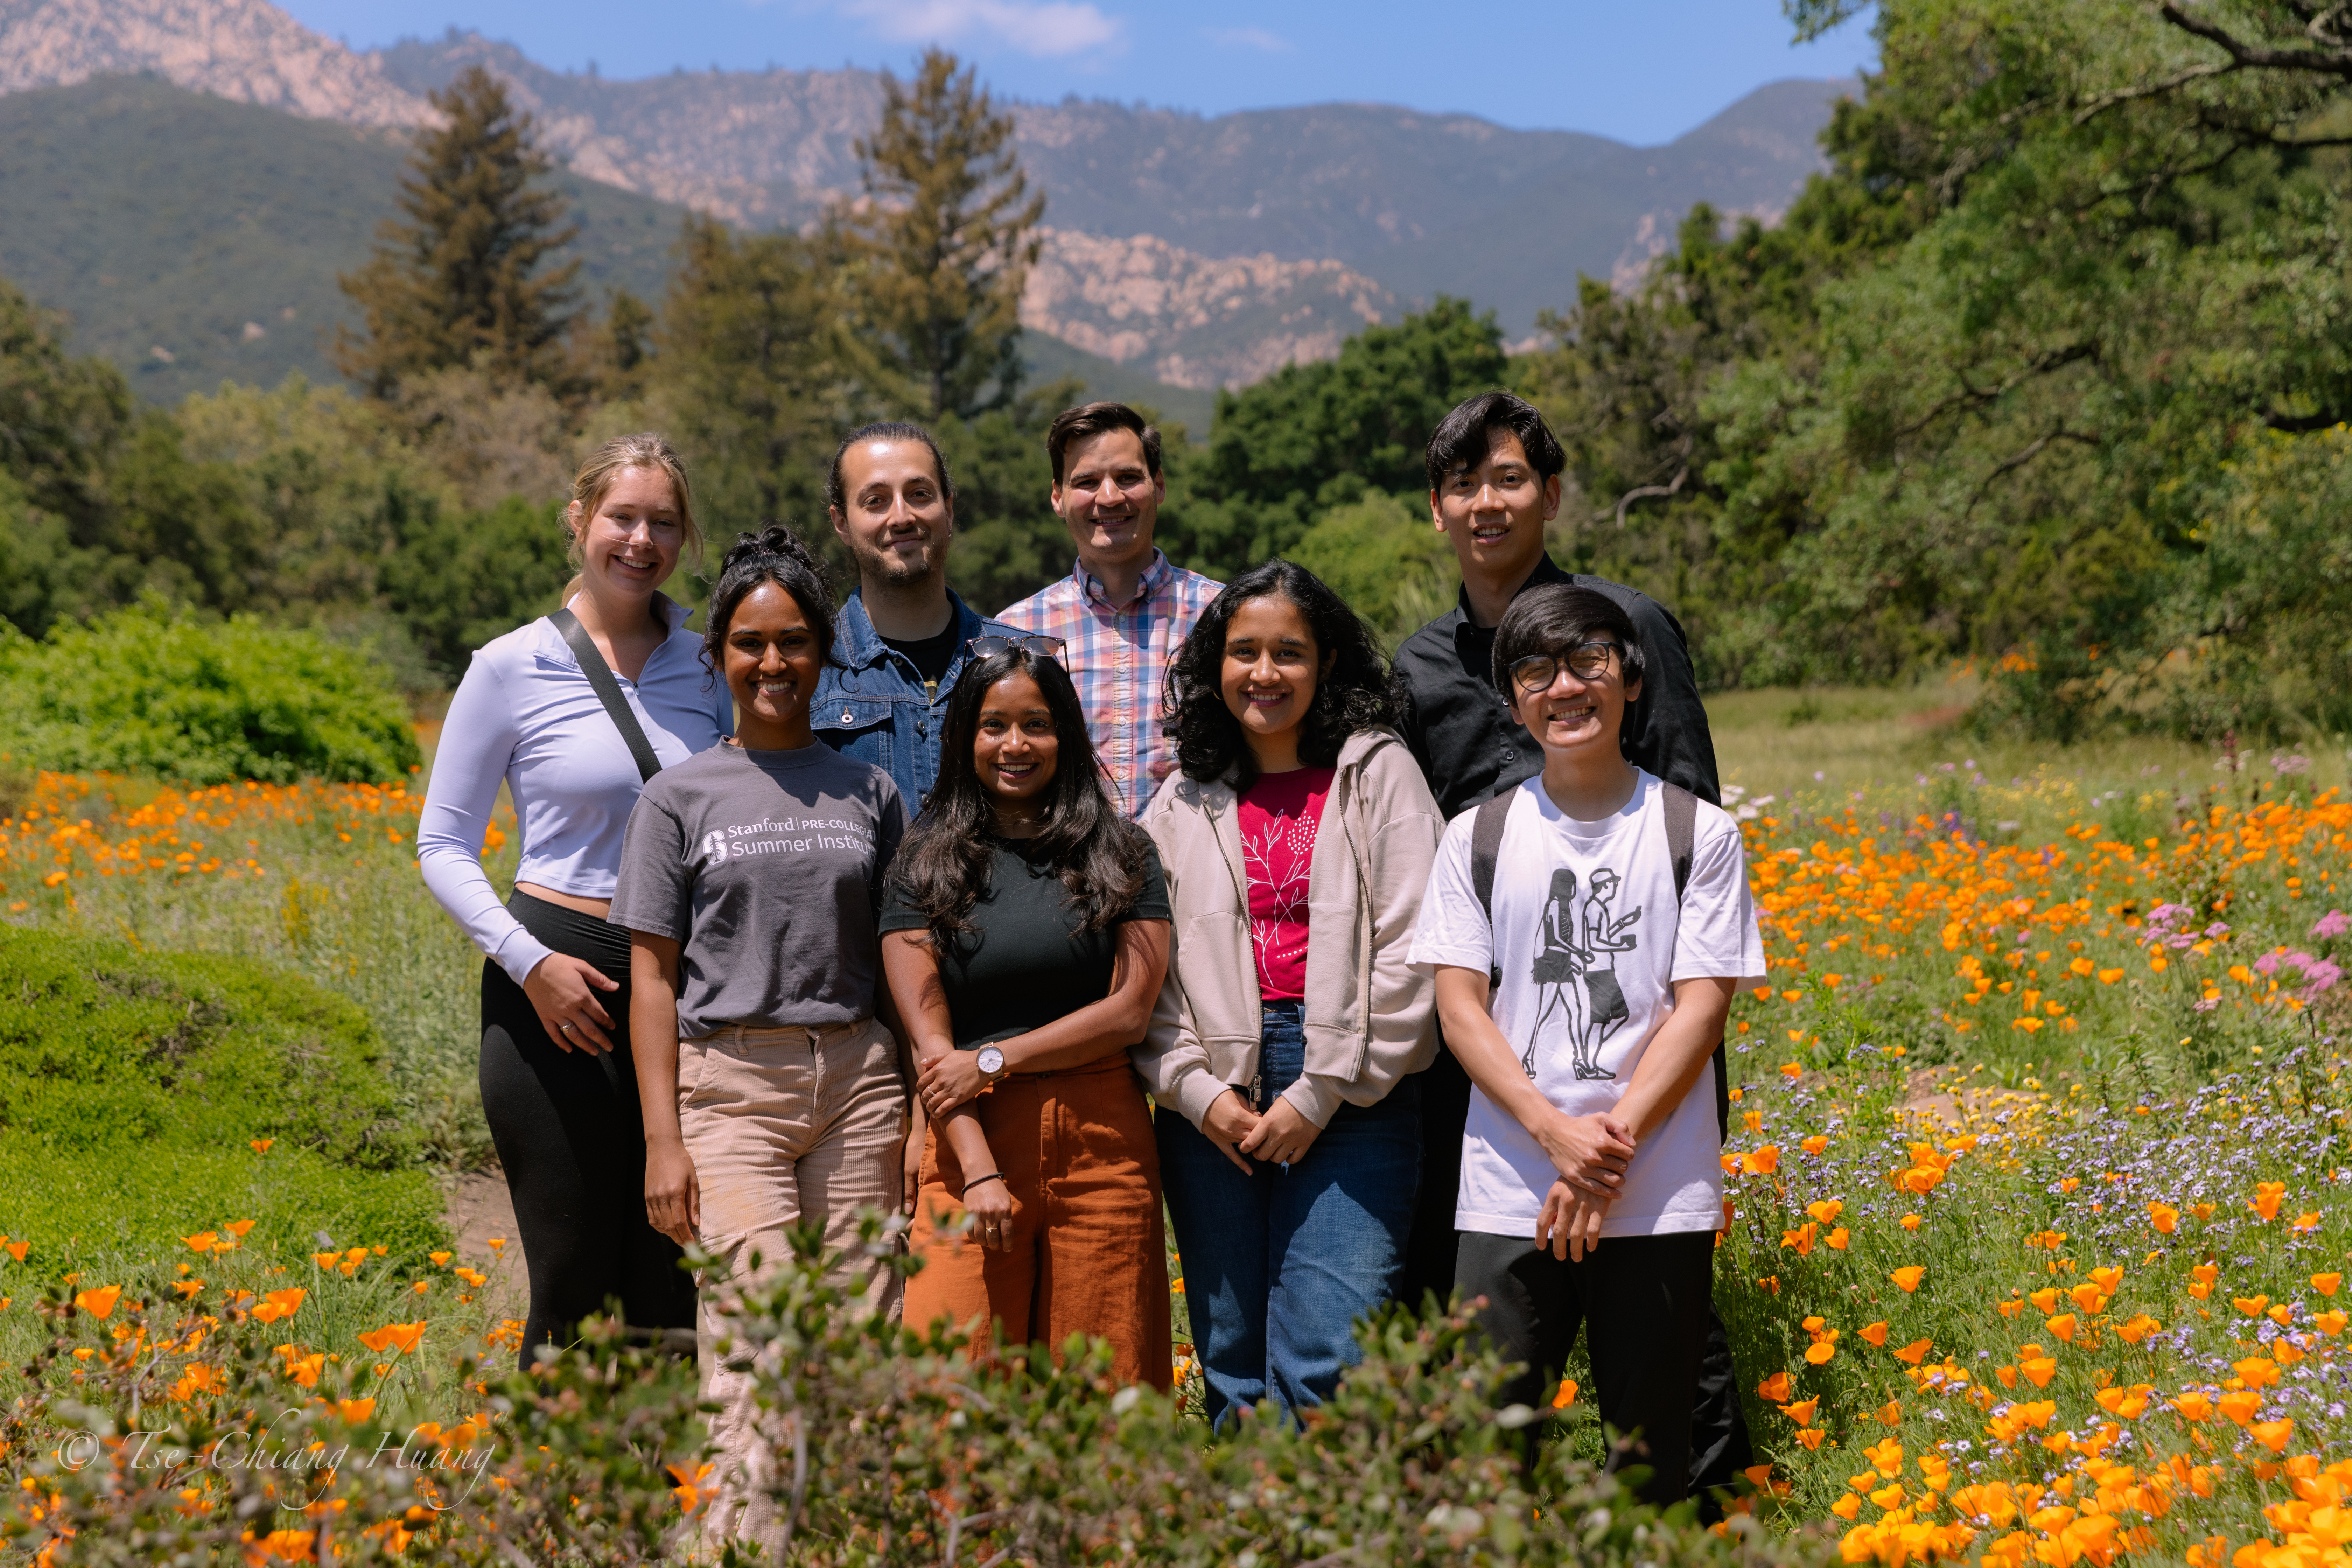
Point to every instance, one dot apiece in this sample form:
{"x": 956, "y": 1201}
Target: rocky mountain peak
{"x": 246, "y": 50}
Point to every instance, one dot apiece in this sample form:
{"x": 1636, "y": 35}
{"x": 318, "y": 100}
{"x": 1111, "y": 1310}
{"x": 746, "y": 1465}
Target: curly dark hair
{"x": 1353, "y": 694}
{"x": 944, "y": 864}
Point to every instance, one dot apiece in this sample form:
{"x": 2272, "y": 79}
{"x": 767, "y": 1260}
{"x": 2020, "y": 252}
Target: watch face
{"x": 992, "y": 1060}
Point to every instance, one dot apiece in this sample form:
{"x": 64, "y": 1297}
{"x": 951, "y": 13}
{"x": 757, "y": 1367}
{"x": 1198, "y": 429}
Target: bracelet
{"x": 971, "y": 1181}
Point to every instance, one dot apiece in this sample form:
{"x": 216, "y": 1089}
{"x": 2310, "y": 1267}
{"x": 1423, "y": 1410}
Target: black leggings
{"x": 569, "y": 1132}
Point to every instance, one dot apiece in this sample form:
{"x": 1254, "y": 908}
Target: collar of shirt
{"x": 1155, "y": 577}
{"x": 553, "y": 647}
{"x": 1465, "y": 627}
{"x": 859, "y": 646}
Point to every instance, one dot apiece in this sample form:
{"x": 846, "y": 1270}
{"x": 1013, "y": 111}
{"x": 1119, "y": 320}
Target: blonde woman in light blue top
{"x": 558, "y": 1088}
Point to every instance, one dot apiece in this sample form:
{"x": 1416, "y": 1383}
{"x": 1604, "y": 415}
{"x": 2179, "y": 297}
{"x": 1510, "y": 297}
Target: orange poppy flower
{"x": 1907, "y": 1277}
{"x": 2241, "y": 1406}
{"x": 99, "y": 1303}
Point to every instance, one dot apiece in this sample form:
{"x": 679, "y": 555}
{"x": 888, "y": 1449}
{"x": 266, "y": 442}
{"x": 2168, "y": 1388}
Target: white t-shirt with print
{"x": 1591, "y": 942}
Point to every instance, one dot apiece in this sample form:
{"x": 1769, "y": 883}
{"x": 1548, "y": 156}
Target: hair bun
{"x": 776, "y": 539}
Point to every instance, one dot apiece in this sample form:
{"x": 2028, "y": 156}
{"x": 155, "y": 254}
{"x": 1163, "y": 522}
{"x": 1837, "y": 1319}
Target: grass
{"x": 1899, "y": 740}
{"x": 318, "y": 879}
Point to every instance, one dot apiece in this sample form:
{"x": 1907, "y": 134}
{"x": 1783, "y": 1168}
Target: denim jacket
{"x": 869, "y": 700}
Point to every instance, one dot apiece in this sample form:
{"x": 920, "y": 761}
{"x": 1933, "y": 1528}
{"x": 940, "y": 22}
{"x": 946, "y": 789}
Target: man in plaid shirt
{"x": 1124, "y": 609}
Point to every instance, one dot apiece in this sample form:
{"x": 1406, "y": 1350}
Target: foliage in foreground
{"x": 142, "y": 1094}
{"x": 156, "y": 690}
{"x": 890, "y": 1447}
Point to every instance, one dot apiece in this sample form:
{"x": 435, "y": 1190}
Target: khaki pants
{"x": 784, "y": 1126}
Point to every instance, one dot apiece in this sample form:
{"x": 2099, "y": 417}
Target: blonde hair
{"x": 645, "y": 449}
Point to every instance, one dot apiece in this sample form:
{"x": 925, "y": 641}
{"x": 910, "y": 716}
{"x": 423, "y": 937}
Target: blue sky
{"x": 1641, "y": 70}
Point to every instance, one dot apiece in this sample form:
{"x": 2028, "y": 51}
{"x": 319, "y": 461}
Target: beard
{"x": 886, "y": 565}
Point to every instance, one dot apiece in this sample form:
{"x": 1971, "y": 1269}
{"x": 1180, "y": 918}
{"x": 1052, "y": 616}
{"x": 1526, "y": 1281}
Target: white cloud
{"x": 1046, "y": 27}
{"x": 1249, "y": 38}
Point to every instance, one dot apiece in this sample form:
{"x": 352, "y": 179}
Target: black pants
{"x": 1719, "y": 1428}
{"x": 1643, "y": 1303}
{"x": 569, "y": 1132}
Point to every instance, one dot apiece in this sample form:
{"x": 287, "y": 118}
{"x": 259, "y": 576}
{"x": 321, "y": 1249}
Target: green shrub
{"x": 460, "y": 581}
{"x": 133, "y": 1086}
{"x": 151, "y": 689}
{"x": 1381, "y": 554}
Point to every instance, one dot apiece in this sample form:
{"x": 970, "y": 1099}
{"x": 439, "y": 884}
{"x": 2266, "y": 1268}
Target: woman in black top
{"x": 1025, "y": 938}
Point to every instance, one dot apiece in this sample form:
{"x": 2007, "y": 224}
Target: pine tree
{"x": 747, "y": 366}
{"x": 943, "y": 245}
{"x": 464, "y": 279}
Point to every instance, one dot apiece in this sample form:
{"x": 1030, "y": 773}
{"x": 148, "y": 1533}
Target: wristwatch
{"x": 991, "y": 1062}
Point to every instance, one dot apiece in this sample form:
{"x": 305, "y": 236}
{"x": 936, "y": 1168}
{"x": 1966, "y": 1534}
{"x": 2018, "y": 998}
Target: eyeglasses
{"x": 1042, "y": 647}
{"x": 1586, "y": 661}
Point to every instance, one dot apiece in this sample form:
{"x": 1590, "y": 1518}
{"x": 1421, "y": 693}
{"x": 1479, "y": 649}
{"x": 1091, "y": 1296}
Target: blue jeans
{"x": 1280, "y": 1263}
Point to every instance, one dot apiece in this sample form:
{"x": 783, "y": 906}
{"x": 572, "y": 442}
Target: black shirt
{"x": 1468, "y": 745}
{"x": 932, "y": 656}
{"x": 1026, "y": 964}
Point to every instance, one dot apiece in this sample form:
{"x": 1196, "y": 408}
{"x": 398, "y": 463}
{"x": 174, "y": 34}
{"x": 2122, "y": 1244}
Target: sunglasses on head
{"x": 1042, "y": 647}
{"x": 1586, "y": 661}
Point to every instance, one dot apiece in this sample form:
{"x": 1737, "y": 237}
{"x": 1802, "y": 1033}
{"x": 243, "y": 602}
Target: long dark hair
{"x": 944, "y": 864}
{"x": 1353, "y": 694}
{"x": 775, "y": 554}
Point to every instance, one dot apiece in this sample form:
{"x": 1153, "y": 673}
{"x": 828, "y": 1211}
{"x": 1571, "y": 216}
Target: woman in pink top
{"x": 1296, "y": 839}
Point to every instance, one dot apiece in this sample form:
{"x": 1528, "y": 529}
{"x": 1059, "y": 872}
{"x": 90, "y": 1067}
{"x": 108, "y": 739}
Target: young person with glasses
{"x": 901, "y": 635}
{"x": 1285, "y": 1053}
{"x": 1125, "y": 607}
{"x": 1586, "y": 931}
{"x": 1025, "y": 938}
{"x": 533, "y": 714}
{"x": 1494, "y": 468}
{"x": 750, "y": 880}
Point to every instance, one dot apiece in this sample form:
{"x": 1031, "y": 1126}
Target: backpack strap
{"x": 608, "y": 692}
{"x": 1680, "y": 808}
{"x": 1485, "y": 846}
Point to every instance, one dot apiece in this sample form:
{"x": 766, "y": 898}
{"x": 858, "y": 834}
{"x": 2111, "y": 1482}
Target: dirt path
{"x": 479, "y": 1212}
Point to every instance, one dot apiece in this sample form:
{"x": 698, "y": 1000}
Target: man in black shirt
{"x": 1495, "y": 471}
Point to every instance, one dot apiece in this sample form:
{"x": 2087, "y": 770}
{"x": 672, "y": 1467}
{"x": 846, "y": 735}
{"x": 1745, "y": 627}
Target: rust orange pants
{"x": 1089, "y": 1252}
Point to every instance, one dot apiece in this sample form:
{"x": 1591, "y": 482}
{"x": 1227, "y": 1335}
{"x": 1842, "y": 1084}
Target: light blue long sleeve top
{"x": 526, "y": 715}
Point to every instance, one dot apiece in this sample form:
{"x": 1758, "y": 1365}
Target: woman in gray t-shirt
{"x": 750, "y": 878}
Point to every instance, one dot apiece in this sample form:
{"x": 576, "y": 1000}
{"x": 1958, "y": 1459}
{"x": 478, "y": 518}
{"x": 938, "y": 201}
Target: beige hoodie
{"x": 1370, "y": 1017}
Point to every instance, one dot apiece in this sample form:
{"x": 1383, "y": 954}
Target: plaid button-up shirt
{"x": 1118, "y": 657}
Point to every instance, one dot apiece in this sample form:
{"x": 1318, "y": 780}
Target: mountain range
{"x": 1198, "y": 251}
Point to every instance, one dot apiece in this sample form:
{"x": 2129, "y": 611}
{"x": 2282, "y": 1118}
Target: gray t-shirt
{"x": 767, "y": 869}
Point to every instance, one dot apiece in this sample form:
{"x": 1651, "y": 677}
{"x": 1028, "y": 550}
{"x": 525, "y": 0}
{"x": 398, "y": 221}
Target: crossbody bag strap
{"x": 608, "y": 692}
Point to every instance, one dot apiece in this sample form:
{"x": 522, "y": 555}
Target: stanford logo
{"x": 714, "y": 846}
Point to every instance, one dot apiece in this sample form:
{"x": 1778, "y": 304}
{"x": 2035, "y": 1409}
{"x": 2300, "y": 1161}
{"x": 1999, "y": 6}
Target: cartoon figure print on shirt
{"x": 1569, "y": 976}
